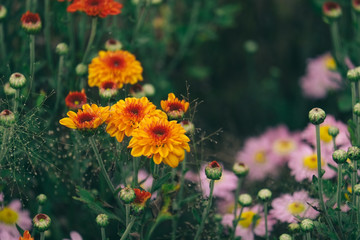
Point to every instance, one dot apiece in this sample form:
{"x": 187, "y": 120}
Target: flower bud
{"x": 356, "y": 5}
{"x": 294, "y": 227}
{"x": 41, "y": 198}
{"x": 102, "y": 220}
{"x": 113, "y": 45}
{"x": 108, "y": 89}
{"x": 81, "y": 69}
{"x": 353, "y": 75}
{"x": 331, "y": 10}
{"x": 317, "y": 116}
{"x": 31, "y": 22}
{"x": 149, "y": 89}
{"x": 245, "y": 200}
{"x": 250, "y": 46}
{"x": 137, "y": 91}
{"x": 307, "y": 225}
{"x": 62, "y": 49}
{"x": 188, "y": 126}
{"x": 218, "y": 217}
{"x": 333, "y": 131}
{"x": 240, "y": 169}
{"x": 264, "y": 195}
{"x": 285, "y": 237}
{"x": 213, "y": 171}
{"x": 8, "y": 90}
{"x": 127, "y": 195}
{"x": 3, "y": 12}
{"x": 7, "y": 117}
{"x": 357, "y": 189}
{"x": 356, "y": 109}
{"x": 340, "y": 156}
{"x": 17, "y": 80}
{"x": 353, "y": 153}
{"x": 42, "y": 222}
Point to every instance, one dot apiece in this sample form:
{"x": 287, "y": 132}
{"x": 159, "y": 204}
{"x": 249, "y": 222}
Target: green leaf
{"x": 161, "y": 181}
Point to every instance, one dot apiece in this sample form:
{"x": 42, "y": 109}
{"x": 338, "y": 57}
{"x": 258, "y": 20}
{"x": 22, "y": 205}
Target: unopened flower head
{"x": 213, "y": 171}
{"x": 42, "y": 222}
{"x": 294, "y": 227}
{"x": 8, "y": 90}
{"x": 31, "y": 22}
{"x": 108, "y": 89}
{"x": 81, "y": 69}
{"x": 127, "y": 195}
{"x": 137, "y": 91}
{"x": 7, "y": 117}
{"x": 353, "y": 153}
{"x": 62, "y": 49}
{"x": 218, "y": 217}
{"x": 356, "y": 5}
{"x": 307, "y": 225}
{"x": 102, "y": 220}
{"x": 333, "y": 131}
{"x": 285, "y": 237}
{"x": 17, "y": 80}
{"x": 149, "y": 89}
{"x": 245, "y": 200}
{"x": 317, "y": 116}
{"x": 140, "y": 201}
{"x": 3, "y": 12}
{"x": 188, "y": 126}
{"x": 174, "y": 108}
{"x": 41, "y": 198}
{"x": 356, "y": 109}
{"x": 357, "y": 189}
{"x": 331, "y": 10}
{"x": 264, "y": 195}
{"x": 340, "y": 156}
{"x": 250, "y": 46}
{"x": 353, "y": 75}
{"x": 240, "y": 169}
{"x": 113, "y": 45}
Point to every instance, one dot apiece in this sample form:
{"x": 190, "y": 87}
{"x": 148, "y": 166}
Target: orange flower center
{"x": 134, "y": 109}
{"x": 108, "y": 85}
{"x": 85, "y": 117}
{"x": 175, "y": 106}
{"x": 31, "y": 18}
{"x": 116, "y": 62}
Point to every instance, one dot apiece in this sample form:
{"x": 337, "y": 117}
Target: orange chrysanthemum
{"x": 96, "y": 8}
{"x": 127, "y": 115}
{"x": 173, "y": 107}
{"x": 161, "y": 139}
{"x": 26, "y": 236}
{"x": 118, "y": 66}
{"x": 75, "y": 100}
{"x": 91, "y": 117}
{"x": 141, "y": 196}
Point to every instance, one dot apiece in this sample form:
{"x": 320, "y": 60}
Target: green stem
{"x": 58, "y": 83}
{"x": 266, "y": 224}
{"x": 42, "y": 235}
{"x": 338, "y": 193}
{"x": 16, "y": 101}
{"x": 128, "y": 229}
{"x": 353, "y": 181}
{"x": 182, "y": 177}
{"x": 127, "y": 209}
{"x": 39, "y": 210}
{"x": 4, "y": 143}
{"x": 308, "y": 236}
{"x": 206, "y": 211}
{"x": 70, "y": 23}
{"x": 155, "y": 176}
{"x": 47, "y": 33}
{"x": 32, "y": 59}
{"x": 28, "y": 5}
{"x": 2, "y": 44}
{"x": 334, "y": 29}
{"x": 237, "y": 191}
{"x": 334, "y": 143}
{"x": 140, "y": 21}
{"x": 91, "y": 38}
{"x": 135, "y": 181}
{"x": 103, "y": 235}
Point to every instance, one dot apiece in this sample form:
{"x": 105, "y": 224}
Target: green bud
{"x": 3, "y": 12}
{"x": 218, "y": 217}
{"x": 357, "y": 189}
{"x": 353, "y": 75}
{"x": 251, "y": 46}
{"x": 356, "y": 109}
{"x": 8, "y": 90}
{"x": 188, "y": 126}
{"x": 42, "y": 222}
{"x": 149, "y": 89}
{"x": 213, "y": 171}
{"x": 240, "y": 169}
{"x": 340, "y": 156}
{"x": 333, "y": 131}
{"x": 81, "y": 69}
{"x": 356, "y": 5}
{"x": 7, "y": 117}
{"x": 17, "y": 80}
{"x": 331, "y": 10}
{"x": 127, "y": 195}
{"x": 264, "y": 195}
{"x": 317, "y": 116}
{"x": 245, "y": 200}
{"x": 113, "y": 45}
{"x": 285, "y": 237}
{"x": 353, "y": 153}
{"x": 41, "y": 198}
{"x": 102, "y": 220}
{"x": 294, "y": 227}
{"x": 62, "y": 49}
{"x": 307, "y": 225}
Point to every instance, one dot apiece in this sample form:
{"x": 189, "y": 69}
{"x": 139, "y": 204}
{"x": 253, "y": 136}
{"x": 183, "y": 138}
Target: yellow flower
{"x": 126, "y": 116}
{"x": 118, "y": 66}
{"x": 161, "y": 139}
{"x": 91, "y": 117}
{"x": 173, "y": 107}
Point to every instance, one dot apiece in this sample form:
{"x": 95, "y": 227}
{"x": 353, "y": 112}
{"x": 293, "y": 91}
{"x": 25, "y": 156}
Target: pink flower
{"x": 287, "y": 208}
{"x": 145, "y": 179}
{"x": 245, "y": 228}
{"x": 74, "y": 236}
{"x": 321, "y": 77}
{"x": 303, "y": 163}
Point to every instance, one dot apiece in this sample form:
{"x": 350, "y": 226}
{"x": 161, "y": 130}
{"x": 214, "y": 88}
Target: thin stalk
{"x": 155, "y": 176}
{"x": 39, "y": 210}
{"x": 16, "y": 101}
{"x": 127, "y": 209}
{"x": 334, "y": 29}
{"x": 32, "y": 59}
{"x": 174, "y": 227}
{"x": 206, "y": 211}
{"x": 308, "y": 236}
{"x": 334, "y": 144}
{"x": 103, "y": 235}
{"x": 47, "y": 33}
{"x": 2, "y": 44}
{"x": 338, "y": 194}
{"x": 135, "y": 181}
{"x": 128, "y": 229}
{"x": 28, "y": 5}
{"x": 237, "y": 191}
{"x": 266, "y": 220}
{"x": 42, "y": 235}
{"x": 4, "y": 143}
{"x": 353, "y": 182}
{"x": 140, "y": 21}
{"x": 71, "y": 34}
{"x": 91, "y": 38}
{"x": 182, "y": 177}
{"x": 239, "y": 217}
{"x": 58, "y": 83}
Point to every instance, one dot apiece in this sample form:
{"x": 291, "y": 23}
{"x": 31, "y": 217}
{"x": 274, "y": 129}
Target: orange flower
{"x": 96, "y": 8}
{"x": 31, "y": 22}
{"x": 118, "y": 66}
{"x": 26, "y": 236}
{"x": 158, "y": 138}
{"x": 75, "y": 100}
{"x": 127, "y": 115}
{"x": 91, "y": 117}
{"x": 173, "y": 107}
{"x": 141, "y": 196}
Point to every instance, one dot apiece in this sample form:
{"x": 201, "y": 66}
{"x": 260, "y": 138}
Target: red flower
{"x": 75, "y": 100}
{"x": 96, "y": 8}
{"x": 31, "y": 22}
{"x": 141, "y": 196}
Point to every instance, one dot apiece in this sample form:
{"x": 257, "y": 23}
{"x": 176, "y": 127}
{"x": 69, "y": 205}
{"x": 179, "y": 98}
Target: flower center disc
{"x": 8, "y": 216}
{"x": 260, "y": 157}
{"x": 247, "y": 219}
{"x": 296, "y": 208}
{"x": 310, "y": 162}
{"x": 324, "y": 134}
{"x": 86, "y": 117}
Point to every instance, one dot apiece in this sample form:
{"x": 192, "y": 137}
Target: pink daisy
{"x": 245, "y": 228}
{"x": 256, "y": 155}
{"x": 287, "y": 208}
{"x": 303, "y": 163}
{"x": 321, "y": 77}
{"x": 145, "y": 179}
{"x": 11, "y": 215}
{"x": 74, "y": 236}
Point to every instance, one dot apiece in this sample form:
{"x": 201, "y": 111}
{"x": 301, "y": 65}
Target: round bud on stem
{"x": 340, "y": 156}
{"x": 42, "y": 222}
{"x": 17, "y": 80}
{"x": 353, "y": 75}
{"x": 7, "y": 117}
{"x": 353, "y": 153}
{"x": 331, "y": 10}
{"x": 188, "y": 126}
{"x": 317, "y": 116}
{"x": 8, "y": 90}
{"x": 41, "y": 198}
{"x": 102, "y": 220}
{"x": 307, "y": 225}
{"x": 294, "y": 227}
{"x": 240, "y": 169}
{"x": 31, "y": 22}
{"x": 81, "y": 69}
{"x": 357, "y": 189}
{"x": 149, "y": 89}
{"x": 333, "y": 131}
{"x": 218, "y": 217}
{"x": 285, "y": 237}
{"x": 213, "y": 171}
{"x": 264, "y": 195}
{"x": 3, "y": 12}
{"x": 62, "y": 49}
{"x": 113, "y": 45}
{"x": 356, "y": 109}
{"x": 127, "y": 195}
{"x": 251, "y": 46}
{"x": 356, "y": 5}
{"x": 245, "y": 200}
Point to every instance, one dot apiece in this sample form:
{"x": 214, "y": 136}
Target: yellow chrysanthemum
{"x": 90, "y": 117}
{"x": 173, "y": 107}
{"x": 161, "y": 139}
{"x": 126, "y": 116}
{"x": 118, "y": 66}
